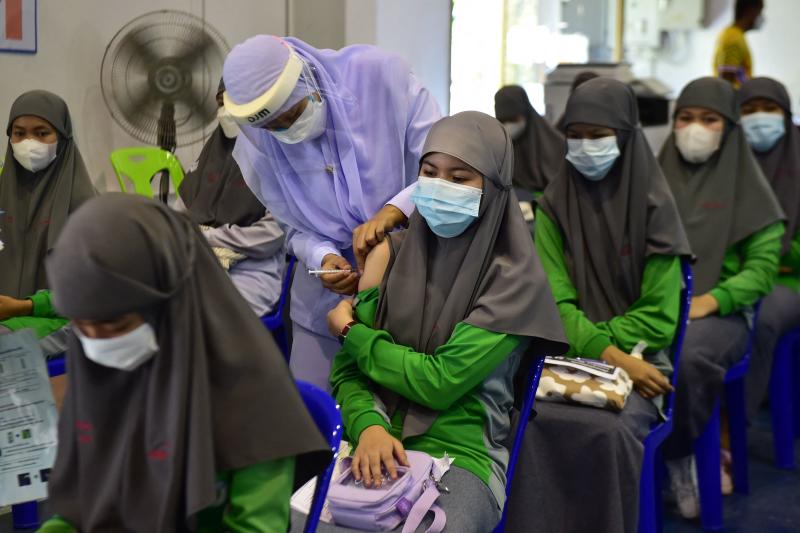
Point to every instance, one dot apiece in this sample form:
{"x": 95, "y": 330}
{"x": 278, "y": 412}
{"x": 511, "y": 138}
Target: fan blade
{"x": 197, "y": 102}
{"x": 141, "y": 47}
{"x": 204, "y": 45}
{"x": 139, "y": 112}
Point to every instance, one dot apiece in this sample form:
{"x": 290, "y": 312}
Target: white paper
{"x": 28, "y": 420}
{"x": 594, "y": 367}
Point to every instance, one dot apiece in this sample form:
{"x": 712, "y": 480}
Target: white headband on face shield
{"x": 260, "y": 110}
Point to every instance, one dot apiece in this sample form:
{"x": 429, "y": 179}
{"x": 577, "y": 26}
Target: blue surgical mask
{"x": 448, "y": 208}
{"x": 593, "y": 157}
{"x": 763, "y": 130}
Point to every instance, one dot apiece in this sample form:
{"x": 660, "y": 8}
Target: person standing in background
{"x": 330, "y": 143}
{"x": 732, "y": 59}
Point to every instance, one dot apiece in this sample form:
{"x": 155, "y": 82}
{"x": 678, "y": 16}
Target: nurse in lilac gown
{"x": 330, "y": 146}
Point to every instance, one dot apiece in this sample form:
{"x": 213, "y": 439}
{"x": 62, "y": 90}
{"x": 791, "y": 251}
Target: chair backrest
{"x": 285, "y": 286}
{"x": 326, "y": 415}
{"x": 57, "y": 365}
{"x": 683, "y": 321}
{"x": 140, "y": 164}
{"x": 531, "y": 384}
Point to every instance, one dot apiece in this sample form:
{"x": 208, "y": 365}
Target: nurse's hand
{"x": 338, "y": 283}
{"x": 647, "y": 380}
{"x": 11, "y": 307}
{"x": 376, "y": 448}
{"x": 370, "y": 233}
{"x": 339, "y": 317}
{"x": 703, "y": 306}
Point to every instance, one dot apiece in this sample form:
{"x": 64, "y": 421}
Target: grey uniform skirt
{"x": 579, "y": 469}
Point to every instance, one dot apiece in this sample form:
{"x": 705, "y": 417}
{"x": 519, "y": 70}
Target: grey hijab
{"x": 781, "y": 164}
{"x": 610, "y": 227}
{"x": 539, "y": 151}
{"x": 140, "y": 450}
{"x": 37, "y": 205}
{"x": 215, "y": 192}
{"x": 725, "y": 199}
{"x": 489, "y": 276}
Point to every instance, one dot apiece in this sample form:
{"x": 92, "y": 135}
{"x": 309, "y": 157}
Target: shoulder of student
{"x": 375, "y": 266}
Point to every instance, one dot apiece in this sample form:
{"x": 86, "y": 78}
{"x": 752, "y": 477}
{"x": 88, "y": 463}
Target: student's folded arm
{"x": 791, "y": 259}
{"x": 56, "y": 524}
{"x": 585, "y": 339}
{"x": 760, "y": 255}
{"x": 434, "y": 381}
{"x": 354, "y": 393}
{"x": 43, "y": 305}
{"x": 653, "y": 317}
{"x": 258, "y": 497}
{"x": 260, "y": 240}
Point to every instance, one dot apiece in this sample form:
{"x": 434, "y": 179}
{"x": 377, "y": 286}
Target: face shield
{"x": 293, "y": 110}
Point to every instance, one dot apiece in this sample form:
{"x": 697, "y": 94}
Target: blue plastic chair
{"x": 531, "y": 384}
{"x": 796, "y": 374}
{"x": 326, "y": 415}
{"x": 707, "y": 445}
{"x": 649, "y": 482}
{"x": 781, "y": 403}
{"x": 26, "y": 515}
{"x": 274, "y": 320}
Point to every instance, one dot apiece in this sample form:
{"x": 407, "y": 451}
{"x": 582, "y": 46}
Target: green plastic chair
{"x": 141, "y": 164}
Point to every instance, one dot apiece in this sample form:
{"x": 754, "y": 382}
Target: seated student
{"x": 610, "y": 238}
{"x": 734, "y": 224}
{"x": 235, "y": 223}
{"x": 43, "y": 180}
{"x": 446, "y": 310}
{"x": 538, "y": 147}
{"x": 767, "y": 122}
{"x": 181, "y": 413}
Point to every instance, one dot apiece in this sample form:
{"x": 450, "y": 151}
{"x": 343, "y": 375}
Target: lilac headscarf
{"x": 378, "y": 116}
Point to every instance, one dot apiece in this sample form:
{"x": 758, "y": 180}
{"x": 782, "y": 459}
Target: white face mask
{"x": 230, "y": 128}
{"x": 515, "y": 129}
{"x": 759, "y": 22}
{"x": 34, "y": 155}
{"x": 125, "y": 352}
{"x": 309, "y": 125}
{"x": 697, "y": 143}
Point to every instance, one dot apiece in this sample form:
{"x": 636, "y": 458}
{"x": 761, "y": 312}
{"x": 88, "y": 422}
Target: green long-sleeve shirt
{"x": 468, "y": 381}
{"x": 43, "y": 320}
{"x": 749, "y": 269}
{"x": 652, "y": 318}
{"x": 258, "y": 500}
{"x": 789, "y": 276}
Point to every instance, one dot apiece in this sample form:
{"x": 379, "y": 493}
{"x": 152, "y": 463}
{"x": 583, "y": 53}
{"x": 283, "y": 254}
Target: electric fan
{"x": 160, "y": 75}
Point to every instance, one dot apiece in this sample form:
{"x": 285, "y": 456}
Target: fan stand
{"x": 166, "y": 141}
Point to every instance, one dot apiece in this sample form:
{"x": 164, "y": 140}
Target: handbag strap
{"x": 426, "y": 502}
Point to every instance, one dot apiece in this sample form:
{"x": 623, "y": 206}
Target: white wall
{"x": 72, "y": 39}
{"x": 418, "y": 30}
{"x": 774, "y": 48}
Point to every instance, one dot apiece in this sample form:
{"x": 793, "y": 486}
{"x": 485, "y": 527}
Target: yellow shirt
{"x": 733, "y": 55}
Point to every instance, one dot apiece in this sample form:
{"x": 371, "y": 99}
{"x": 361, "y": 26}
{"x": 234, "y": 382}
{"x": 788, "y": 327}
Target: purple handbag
{"x": 408, "y": 498}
